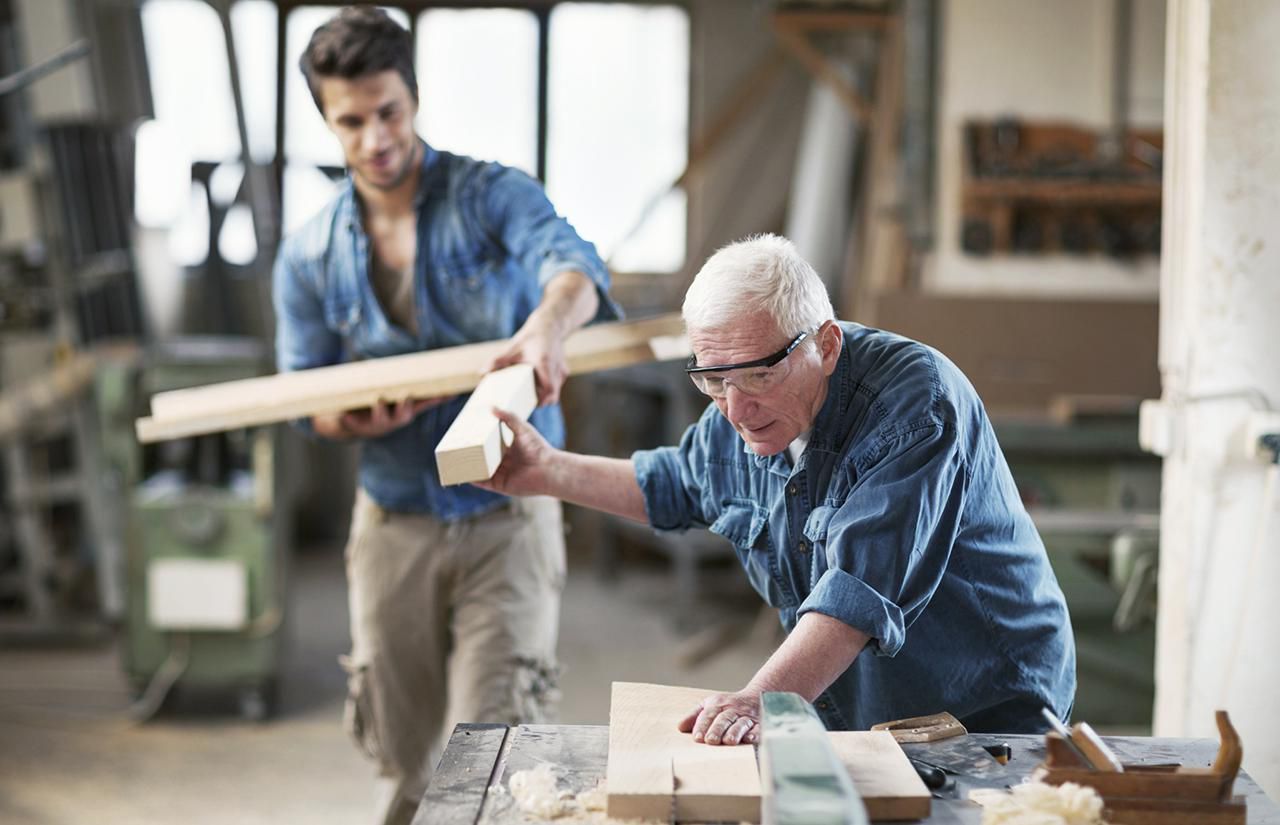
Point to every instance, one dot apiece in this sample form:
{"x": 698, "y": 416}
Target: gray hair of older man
{"x": 763, "y": 272}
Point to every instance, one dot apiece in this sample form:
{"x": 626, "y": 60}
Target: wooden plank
{"x": 457, "y": 790}
{"x": 881, "y": 260}
{"x": 472, "y": 448}
{"x": 442, "y": 372}
{"x": 650, "y": 760}
{"x": 889, "y": 785}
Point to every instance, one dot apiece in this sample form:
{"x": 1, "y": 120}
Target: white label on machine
{"x": 197, "y": 594}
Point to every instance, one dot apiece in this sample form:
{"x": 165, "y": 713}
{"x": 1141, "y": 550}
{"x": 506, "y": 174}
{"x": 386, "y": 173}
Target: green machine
{"x": 206, "y": 551}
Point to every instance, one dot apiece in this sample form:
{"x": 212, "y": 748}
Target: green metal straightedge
{"x": 803, "y": 781}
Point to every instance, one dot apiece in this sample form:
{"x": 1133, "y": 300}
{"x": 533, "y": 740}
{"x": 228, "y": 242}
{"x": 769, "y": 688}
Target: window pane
{"x": 190, "y": 84}
{"x": 478, "y": 72}
{"x": 253, "y": 23}
{"x": 619, "y": 101}
{"x": 306, "y": 189}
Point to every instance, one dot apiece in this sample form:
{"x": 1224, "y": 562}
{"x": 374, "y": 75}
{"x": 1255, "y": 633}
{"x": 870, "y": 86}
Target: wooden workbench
{"x": 482, "y": 755}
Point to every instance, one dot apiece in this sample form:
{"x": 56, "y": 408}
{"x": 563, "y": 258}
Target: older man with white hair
{"x": 857, "y": 476}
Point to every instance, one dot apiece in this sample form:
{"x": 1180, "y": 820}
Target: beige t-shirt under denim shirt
{"x": 394, "y": 290}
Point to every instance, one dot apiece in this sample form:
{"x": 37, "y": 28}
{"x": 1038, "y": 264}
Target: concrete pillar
{"x": 1218, "y": 630}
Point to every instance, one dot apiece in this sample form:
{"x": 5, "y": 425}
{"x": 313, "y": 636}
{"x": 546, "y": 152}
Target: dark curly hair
{"x": 359, "y": 41}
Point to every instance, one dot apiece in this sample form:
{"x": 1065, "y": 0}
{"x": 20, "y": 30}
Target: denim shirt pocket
{"x": 343, "y": 316}
{"x": 744, "y": 525}
{"x": 472, "y": 287}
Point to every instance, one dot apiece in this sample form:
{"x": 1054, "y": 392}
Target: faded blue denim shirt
{"x": 488, "y": 242}
{"x": 900, "y": 519}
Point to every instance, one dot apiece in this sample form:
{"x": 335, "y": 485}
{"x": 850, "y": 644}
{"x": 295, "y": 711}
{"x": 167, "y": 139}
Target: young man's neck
{"x": 398, "y": 199}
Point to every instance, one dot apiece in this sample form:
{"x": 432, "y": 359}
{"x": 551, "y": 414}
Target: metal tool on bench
{"x": 803, "y": 781}
{"x": 946, "y": 758}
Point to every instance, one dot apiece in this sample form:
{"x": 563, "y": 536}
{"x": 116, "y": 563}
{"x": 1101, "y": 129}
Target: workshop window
{"x": 478, "y": 81}
{"x": 195, "y": 122}
{"x": 617, "y": 129}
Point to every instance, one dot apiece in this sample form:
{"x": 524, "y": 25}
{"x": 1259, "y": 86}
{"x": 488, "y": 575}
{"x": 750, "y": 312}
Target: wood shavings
{"x": 1035, "y": 803}
{"x": 596, "y": 799}
{"x": 537, "y": 796}
{"x": 535, "y": 792}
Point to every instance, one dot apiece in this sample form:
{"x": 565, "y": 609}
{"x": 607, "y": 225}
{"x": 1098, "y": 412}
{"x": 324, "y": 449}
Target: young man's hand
{"x": 541, "y": 345}
{"x": 725, "y": 719}
{"x": 375, "y": 421}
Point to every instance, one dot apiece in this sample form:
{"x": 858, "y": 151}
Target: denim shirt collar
{"x": 348, "y": 209}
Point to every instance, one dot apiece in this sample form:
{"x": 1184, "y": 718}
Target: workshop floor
{"x": 68, "y": 753}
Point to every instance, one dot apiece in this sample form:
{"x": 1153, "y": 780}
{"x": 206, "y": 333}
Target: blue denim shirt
{"x": 488, "y": 242}
{"x": 901, "y": 519}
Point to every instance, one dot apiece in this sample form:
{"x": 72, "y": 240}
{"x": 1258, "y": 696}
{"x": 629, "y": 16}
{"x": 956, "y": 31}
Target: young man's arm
{"x": 532, "y": 467}
{"x": 569, "y": 300}
{"x": 573, "y": 279}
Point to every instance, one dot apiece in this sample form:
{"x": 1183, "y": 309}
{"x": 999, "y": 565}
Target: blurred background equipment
{"x": 1038, "y": 188}
{"x": 207, "y": 549}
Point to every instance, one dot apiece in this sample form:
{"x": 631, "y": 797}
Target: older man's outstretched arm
{"x": 532, "y": 467}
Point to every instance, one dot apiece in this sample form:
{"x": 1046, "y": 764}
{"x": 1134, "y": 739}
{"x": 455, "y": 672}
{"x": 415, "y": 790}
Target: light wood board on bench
{"x": 649, "y": 759}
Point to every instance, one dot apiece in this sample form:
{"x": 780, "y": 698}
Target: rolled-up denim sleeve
{"x": 303, "y": 340}
{"x": 889, "y": 543}
{"x": 673, "y": 480}
{"x": 516, "y": 210}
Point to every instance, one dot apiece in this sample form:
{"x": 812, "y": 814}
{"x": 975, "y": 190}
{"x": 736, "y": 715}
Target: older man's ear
{"x": 830, "y": 340}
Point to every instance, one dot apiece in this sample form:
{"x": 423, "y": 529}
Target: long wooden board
{"x": 472, "y": 448}
{"x": 649, "y": 761}
{"x": 889, "y": 786}
{"x": 350, "y": 386}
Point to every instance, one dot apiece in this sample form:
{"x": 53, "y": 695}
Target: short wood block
{"x": 472, "y": 448}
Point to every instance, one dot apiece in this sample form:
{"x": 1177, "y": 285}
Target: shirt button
{"x": 821, "y": 704}
{"x": 802, "y": 546}
{"x": 792, "y": 489}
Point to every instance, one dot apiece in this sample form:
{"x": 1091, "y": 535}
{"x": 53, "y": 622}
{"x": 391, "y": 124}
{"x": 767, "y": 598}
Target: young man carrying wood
{"x": 454, "y": 592}
{"x": 858, "y": 477}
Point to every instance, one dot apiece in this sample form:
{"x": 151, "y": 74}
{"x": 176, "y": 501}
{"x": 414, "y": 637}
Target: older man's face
{"x": 770, "y": 421}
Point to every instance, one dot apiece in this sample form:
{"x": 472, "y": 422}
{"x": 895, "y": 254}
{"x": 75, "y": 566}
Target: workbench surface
{"x": 478, "y": 756}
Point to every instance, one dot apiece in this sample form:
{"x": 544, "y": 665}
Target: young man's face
{"x": 372, "y": 116}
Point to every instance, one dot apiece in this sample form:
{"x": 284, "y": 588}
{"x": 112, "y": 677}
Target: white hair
{"x": 762, "y": 272}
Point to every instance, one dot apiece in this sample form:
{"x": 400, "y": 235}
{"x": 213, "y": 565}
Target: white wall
{"x": 1220, "y": 297}
{"x": 1042, "y": 60}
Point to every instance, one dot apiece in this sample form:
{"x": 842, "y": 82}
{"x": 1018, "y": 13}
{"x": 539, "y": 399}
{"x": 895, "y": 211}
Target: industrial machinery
{"x": 206, "y": 551}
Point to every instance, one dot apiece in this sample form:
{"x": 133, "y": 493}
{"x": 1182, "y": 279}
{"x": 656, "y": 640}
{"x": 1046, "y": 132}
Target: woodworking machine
{"x": 205, "y": 549}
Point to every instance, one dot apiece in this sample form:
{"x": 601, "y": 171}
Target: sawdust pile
{"x": 1035, "y": 803}
{"x": 536, "y": 794}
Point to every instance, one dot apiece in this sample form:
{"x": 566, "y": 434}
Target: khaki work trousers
{"x": 450, "y": 622}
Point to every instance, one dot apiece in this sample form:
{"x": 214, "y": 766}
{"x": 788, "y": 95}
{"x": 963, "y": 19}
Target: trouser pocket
{"x": 536, "y": 689}
{"x": 358, "y": 717}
